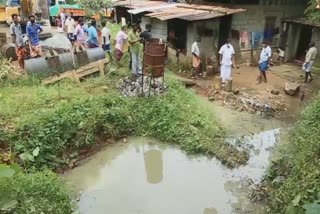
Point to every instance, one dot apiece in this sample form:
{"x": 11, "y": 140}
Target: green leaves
{"x": 7, "y": 171}
{"x": 296, "y": 200}
{"x": 313, "y": 208}
{"x": 35, "y": 152}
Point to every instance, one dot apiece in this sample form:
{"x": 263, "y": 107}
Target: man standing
{"x": 92, "y": 35}
{"x": 195, "y": 57}
{"x": 17, "y": 38}
{"x": 134, "y": 42}
{"x": 146, "y": 35}
{"x": 264, "y": 61}
{"x": 70, "y": 24}
{"x": 79, "y": 34}
{"x": 226, "y": 60}
{"x": 63, "y": 17}
{"x": 106, "y": 36}
{"x": 310, "y": 57}
{"x": 32, "y": 32}
{"x": 120, "y": 39}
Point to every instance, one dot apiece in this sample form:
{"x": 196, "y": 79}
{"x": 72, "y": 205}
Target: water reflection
{"x": 210, "y": 211}
{"x": 155, "y": 178}
{"x": 153, "y": 166}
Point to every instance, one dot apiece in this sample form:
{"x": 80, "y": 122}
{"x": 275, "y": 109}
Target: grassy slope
{"x": 300, "y": 165}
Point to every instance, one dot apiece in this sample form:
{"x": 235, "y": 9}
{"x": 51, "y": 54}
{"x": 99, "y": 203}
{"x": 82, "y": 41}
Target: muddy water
{"x": 147, "y": 177}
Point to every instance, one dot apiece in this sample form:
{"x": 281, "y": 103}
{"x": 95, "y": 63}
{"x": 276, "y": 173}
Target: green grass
{"x": 62, "y": 120}
{"x": 299, "y": 165}
{"x": 41, "y": 192}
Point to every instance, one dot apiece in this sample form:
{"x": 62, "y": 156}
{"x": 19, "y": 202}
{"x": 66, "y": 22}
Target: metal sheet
{"x": 151, "y": 9}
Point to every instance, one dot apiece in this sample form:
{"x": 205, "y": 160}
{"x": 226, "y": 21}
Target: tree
{"x": 312, "y": 12}
{"x": 96, "y": 6}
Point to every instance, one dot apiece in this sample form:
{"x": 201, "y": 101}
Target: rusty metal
{"x": 166, "y": 11}
{"x": 154, "y": 59}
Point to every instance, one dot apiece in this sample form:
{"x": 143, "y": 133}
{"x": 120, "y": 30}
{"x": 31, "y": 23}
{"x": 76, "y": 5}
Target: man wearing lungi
{"x": 32, "y": 32}
{"x": 264, "y": 61}
{"x": 195, "y": 57}
{"x": 310, "y": 57}
{"x": 226, "y": 61}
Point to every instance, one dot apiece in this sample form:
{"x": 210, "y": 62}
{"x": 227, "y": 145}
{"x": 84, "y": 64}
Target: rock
{"x": 211, "y": 99}
{"x": 275, "y": 92}
{"x": 291, "y": 88}
{"x": 236, "y": 91}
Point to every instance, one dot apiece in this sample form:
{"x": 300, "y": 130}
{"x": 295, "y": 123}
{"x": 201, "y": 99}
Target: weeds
{"x": 300, "y": 166}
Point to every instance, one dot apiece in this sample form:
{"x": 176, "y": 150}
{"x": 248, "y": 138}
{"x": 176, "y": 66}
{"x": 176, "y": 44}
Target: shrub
{"x": 299, "y": 166}
{"x": 59, "y": 133}
{"x": 40, "y": 192}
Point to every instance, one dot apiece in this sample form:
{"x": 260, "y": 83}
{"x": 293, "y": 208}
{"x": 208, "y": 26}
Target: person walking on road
{"x": 17, "y": 39}
{"x": 134, "y": 42}
{"x": 106, "y": 36}
{"x": 32, "y": 32}
{"x": 70, "y": 25}
{"x": 195, "y": 57}
{"x": 307, "y": 65}
{"x": 226, "y": 60}
{"x": 120, "y": 39}
{"x": 264, "y": 61}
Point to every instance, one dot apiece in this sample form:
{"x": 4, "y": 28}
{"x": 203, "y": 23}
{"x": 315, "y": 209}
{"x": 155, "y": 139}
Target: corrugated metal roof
{"x": 165, "y": 11}
{"x": 303, "y": 21}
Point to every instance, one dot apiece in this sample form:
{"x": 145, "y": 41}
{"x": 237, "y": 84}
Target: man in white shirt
{"x": 310, "y": 57}
{"x": 264, "y": 61}
{"x": 70, "y": 24}
{"x": 195, "y": 57}
{"x": 63, "y": 17}
{"x": 106, "y": 36}
{"x": 226, "y": 61}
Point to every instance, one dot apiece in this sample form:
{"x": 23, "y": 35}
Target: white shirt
{"x": 63, "y": 17}
{"x": 195, "y": 49}
{"x": 105, "y": 33}
{"x": 265, "y": 54}
{"x": 70, "y": 23}
{"x": 226, "y": 51}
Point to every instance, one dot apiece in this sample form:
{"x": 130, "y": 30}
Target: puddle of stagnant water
{"x": 148, "y": 177}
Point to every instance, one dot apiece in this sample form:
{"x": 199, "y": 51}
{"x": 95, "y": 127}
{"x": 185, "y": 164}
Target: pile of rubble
{"x": 244, "y": 102}
{"x": 132, "y": 87}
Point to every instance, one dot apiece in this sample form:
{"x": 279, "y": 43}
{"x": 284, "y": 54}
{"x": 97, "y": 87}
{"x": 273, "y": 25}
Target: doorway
{"x": 224, "y": 30}
{"x": 304, "y": 41}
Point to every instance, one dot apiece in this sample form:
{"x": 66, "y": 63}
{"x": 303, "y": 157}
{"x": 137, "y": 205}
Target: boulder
{"x": 275, "y": 92}
{"x": 291, "y": 88}
{"x": 236, "y": 91}
{"x": 211, "y": 99}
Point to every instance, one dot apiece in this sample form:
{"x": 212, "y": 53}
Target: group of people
{"x": 81, "y": 34}
{"x": 226, "y": 60}
{"x": 135, "y": 37}
{"x": 33, "y": 29}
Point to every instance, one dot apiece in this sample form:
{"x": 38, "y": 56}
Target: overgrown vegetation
{"x": 61, "y": 121}
{"x": 294, "y": 180}
{"x": 40, "y": 192}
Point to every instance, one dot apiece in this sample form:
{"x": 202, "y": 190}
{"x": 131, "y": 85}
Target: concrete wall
{"x": 316, "y": 39}
{"x": 159, "y": 28}
{"x": 209, "y": 43}
{"x": 253, "y": 20}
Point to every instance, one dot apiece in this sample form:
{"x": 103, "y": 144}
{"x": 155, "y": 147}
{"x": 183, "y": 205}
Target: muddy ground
{"x": 244, "y": 78}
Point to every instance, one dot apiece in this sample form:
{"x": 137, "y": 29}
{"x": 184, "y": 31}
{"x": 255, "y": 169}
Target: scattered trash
{"x": 245, "y": 102}
{"x": 141, "y": 87}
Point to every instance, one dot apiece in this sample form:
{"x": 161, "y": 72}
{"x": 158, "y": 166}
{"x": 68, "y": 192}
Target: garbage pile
{"x": 141, "y": 87}
{"x": 246, "y": 103}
